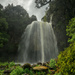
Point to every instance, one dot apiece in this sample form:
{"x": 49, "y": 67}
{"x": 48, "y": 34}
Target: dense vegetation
{"x": 13, "y": 21}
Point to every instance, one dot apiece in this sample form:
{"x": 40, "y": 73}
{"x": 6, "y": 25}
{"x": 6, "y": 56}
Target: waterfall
{"x": 42, "y": 42}
{"x": 38, "y": 43}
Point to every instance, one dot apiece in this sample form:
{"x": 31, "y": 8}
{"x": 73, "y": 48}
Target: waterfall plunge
{"x": 38, "y": 43}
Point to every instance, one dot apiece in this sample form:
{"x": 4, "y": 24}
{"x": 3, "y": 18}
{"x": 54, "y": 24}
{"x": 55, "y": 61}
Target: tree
{"x": 3, "y": 32}
{"x": 33, "y": 18}
{"x": 18, "y": 19}
{"x": 13, "y": 21}
{"x": 1, "y": 13}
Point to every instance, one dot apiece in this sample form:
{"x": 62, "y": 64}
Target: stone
{"x": 39, "y": 63}
{"x": 2, "y": 67}
{"x": 44, "y": 64}
{"x": 40, "y": 68}
{"x": 48, "y": 62}
{"x": 34, "y": 65}
{"x": 7, "y": 71}
{"x": 27, "y": 65}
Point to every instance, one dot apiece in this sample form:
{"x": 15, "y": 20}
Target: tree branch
{"x": 40, "y": 4}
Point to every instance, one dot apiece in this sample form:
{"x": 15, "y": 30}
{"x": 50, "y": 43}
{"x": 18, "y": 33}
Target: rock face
{"x": 38, "y": 43}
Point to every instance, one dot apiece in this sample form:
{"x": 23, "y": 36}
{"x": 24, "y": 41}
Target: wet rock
{"x": 44, "y": 64}
{"x": 40, "y": 68}
{"x": 34, "y": 65}
{"x": 2, "y": 67}
{"x": 17, "y": 65}
{"x": 27, "y": 65}
{"x": 48, "y": 62}
{"x": 7, "y": 72}
{"x": 39, "y": 63}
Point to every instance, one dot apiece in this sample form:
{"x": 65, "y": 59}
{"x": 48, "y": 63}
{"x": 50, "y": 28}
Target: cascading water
{"x": 38, "y": 43}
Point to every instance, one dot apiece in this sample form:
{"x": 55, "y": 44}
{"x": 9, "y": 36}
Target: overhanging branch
{"x": 40, "y": 3}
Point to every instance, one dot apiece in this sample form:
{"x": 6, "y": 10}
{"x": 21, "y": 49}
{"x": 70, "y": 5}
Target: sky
{"x": 28, "y": 5}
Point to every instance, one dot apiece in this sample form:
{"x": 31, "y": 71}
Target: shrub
{"x": 26, "y": 70}
{"x": 17, "y": 71}
{"x": 49, "y": 71}
{"x": 4, "y": 64}
{"x": 58, "y": 73}
{"x": 66, "y": 60}
{"x": 30, "y": 72}
{"x": 52, "y": 63}
{"x": 11, "y": 64}
{"x": 40, "y": 73}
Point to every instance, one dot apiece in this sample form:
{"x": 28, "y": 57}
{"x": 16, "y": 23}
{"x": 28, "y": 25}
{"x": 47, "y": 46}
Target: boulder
{"x": 27, "y": 65}
{"x": 34, "y": 65}
{"x": 40, "y": 68}
{"x": 2, "y": 67}
{"x": 44, "y": 64}
{"x": 7, "y": 72}
{"x": 39, "y": 63}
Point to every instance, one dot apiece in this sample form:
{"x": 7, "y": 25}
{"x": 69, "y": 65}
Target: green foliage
{"x": 52, "y": 63}
{"x": 58, "y": 73}
{"x": 71, "y": 30}
{"x": 26, "y": 70}
{"x": 4, "y": 64}
{"x": 49, "y": 71}
{"x": 40, "y": 73}
{"x": 3, "y": 34}
{"x": 30, "y": 72}
{"x": 11, "y": 64}
{"x": 66, "y": 60}
{"x": 1, "y": 73}
{"x": 3, "y": 25}
{"x": 17, "y": 71}
{"x": 4, "y": 39}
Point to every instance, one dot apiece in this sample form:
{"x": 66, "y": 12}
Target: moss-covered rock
{"x": 27, "y": 65}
